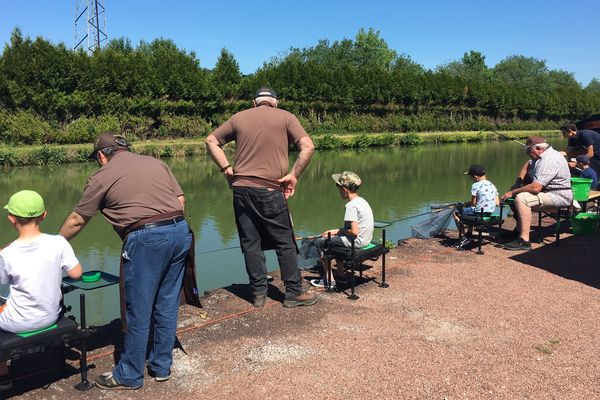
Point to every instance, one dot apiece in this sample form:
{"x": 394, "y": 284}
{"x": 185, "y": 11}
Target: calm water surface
{"x": 397, "y": 182}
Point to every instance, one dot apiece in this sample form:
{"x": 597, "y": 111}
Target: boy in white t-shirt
{"x": 358, "y": 224}
{"x": 33, "y": 266}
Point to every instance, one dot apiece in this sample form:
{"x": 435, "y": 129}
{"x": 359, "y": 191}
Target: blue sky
{"x": 432, "y": 33}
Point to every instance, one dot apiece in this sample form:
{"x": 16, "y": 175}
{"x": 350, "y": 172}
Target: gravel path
{"x": 452, "y": 325}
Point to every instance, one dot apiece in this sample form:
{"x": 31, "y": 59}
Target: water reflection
{"x": 398, "y": 183}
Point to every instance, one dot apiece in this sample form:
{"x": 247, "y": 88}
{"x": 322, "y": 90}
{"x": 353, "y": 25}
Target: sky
{"x": 432, "y": 33}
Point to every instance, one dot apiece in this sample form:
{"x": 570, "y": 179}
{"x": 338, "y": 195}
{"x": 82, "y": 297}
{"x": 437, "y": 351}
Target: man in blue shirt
{"x": 582, "y": 142}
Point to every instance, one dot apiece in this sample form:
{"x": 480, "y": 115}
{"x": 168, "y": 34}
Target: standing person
{"x": 141, "y": 198}
{"x": 582, "y": 142}
{"x": 32, "y": 265}
{"x": 550, "y": 187}
{"x": 261, "y": 185}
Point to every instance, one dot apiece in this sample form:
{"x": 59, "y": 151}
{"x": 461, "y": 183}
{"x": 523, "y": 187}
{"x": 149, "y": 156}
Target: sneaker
{"x": 464, "y": 242}
{"x": 108, "y": 382}
{"x": 259, "y": 300}
{"x": 511, "y": 234}
{"x": 518, "y": 244}
{"x": 5, "y": 384}
{"x": 159, "y": 378}
{"x": 304, "y": 299}
{"x": 321, "y": 283}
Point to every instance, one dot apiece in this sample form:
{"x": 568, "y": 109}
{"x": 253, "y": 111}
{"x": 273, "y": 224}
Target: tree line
{"x": 51, "y": 94}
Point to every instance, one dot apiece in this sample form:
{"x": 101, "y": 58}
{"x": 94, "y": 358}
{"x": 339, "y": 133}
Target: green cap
{"x": 26, "y": 204}
{"x": 347, "y": 179}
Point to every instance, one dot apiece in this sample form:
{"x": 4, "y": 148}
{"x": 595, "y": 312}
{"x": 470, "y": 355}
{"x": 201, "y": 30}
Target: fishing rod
{"x": 434, "y": 209}
{"x": 377, "y": 224}
{"x": 509, "y": 138}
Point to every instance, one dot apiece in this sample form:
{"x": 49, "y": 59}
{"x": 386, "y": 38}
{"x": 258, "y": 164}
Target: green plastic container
{"x": 585, "y": 224}
{"x": 581, "y": 188}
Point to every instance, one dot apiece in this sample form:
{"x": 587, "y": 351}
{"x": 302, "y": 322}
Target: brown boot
{"x": 304, "y": 299}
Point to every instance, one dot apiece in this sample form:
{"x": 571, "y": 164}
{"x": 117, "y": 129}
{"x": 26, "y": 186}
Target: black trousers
{"x": 263, "y": 223}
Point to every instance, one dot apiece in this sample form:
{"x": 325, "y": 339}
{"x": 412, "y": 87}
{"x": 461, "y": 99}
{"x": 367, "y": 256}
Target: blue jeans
{"x": 263, "y": 223}
{"x": 154, "y": 261}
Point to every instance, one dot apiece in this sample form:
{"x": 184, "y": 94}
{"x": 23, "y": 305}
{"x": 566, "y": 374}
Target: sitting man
{"x": 523, "y": 178}
{"x": 358, "y": 225}
{"x": 582, "y": 142}
{"x": 550, "y": 187}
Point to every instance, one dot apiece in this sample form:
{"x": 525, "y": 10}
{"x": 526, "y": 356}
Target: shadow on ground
{"x": 575, "y": 258}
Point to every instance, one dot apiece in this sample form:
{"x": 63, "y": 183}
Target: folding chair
{"x": 558, "y": 214}
{"x": 352, "y": 259}
{"x": 480, "y": 222}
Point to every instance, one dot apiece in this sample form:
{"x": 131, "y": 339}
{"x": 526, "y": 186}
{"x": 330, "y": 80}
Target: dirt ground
{"x": 451, "y": 325}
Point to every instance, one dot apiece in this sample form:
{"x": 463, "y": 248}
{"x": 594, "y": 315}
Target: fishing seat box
{"x": 353, "y": 259}
{"x": 13, "y": 346}
{"x": 481, "y": 222}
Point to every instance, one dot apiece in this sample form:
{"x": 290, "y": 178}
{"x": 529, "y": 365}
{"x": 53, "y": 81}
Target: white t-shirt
{"x": 34, "y": 272}
{"x": 360, "y": 211}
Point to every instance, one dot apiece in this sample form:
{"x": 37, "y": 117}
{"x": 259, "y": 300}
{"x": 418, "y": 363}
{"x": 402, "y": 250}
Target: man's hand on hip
{"x": 289, "y": 185}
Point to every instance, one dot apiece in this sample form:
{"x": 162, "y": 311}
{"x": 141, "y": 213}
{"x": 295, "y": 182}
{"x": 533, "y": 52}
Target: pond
{"x": 397, "y": 182}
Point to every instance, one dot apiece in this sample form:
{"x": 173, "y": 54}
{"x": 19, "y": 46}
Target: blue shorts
{"x": 469, "y": 211}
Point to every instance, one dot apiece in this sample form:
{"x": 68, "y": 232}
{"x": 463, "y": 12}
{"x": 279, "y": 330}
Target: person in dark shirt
{"x": 582, "y": 142}
{"x": 587, "y": 172}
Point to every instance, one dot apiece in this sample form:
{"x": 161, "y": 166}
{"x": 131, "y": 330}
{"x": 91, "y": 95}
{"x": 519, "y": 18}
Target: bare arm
{"x": 182, "y": 201}
{"x": 533, "y": 188}
{"x": 350, "y": 229}
{"x": 216, "y": 151}
{"x": 590, "y": 151}
{"x": 218, "y": 155}
{"x": 75, "y": 272}
{"x": 307, "y": 148}
{"x": 72, "y": 225}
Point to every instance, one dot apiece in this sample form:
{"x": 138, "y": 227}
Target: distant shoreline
{"x": 12, "y": 156}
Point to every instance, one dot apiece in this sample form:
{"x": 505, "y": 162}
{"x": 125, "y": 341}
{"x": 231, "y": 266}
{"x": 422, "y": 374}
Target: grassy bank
{"x": 58, "y": 154}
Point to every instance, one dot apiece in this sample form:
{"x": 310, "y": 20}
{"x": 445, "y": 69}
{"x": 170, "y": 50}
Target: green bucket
{"x": 585, "y": 224}
{"x": 581, "y": 188}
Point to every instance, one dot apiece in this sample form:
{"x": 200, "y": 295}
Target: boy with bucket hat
{"x": 32, "y": 265}
{"x": 358, "y": 225}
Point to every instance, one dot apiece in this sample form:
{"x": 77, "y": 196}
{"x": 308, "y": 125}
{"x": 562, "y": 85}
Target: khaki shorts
{"x": 540, "y": 201}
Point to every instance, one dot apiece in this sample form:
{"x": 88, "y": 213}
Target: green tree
{"x": 226, "y": 75}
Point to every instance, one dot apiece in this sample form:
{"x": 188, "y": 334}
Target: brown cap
{"x": 534, "y": 140}
{"x": 108, "y": 139}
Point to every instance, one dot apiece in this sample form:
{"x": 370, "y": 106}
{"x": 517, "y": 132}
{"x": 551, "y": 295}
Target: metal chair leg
{"x": 383, "y": 282}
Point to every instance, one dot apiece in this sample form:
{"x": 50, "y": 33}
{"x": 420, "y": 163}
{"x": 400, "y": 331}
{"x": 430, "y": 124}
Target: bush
{"x": 183, "y": 127}
{"x": 25, "y": 127}
{"x": 46, "y": 155}
{"x": 328, "y": 142}
{"x": 411, "y": 139}
{"x": 85, "y": 130}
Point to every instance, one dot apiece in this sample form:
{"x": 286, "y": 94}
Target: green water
{"x": 398, "y": 183}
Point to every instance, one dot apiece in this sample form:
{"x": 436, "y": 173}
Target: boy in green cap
{"x": 32, "y": 265}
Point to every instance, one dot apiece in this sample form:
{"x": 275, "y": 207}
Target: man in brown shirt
{"x": 141, "y": 198}
{"x": 261, "y": 185}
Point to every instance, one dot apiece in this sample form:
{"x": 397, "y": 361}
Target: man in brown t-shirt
{"x": 261, "y": 184}
{"x": 141, "y": 198}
